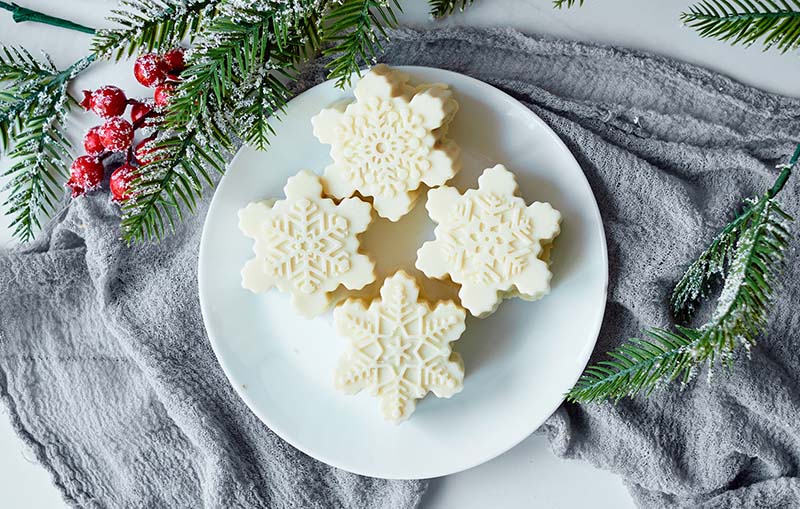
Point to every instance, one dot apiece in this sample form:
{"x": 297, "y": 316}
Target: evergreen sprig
{"x": 170, "y": 184}
{"x": 152, "y": 25}
{"x": 558, "y": 4}
{"x": 34, "y": 103}
{"x": 354, "y": 30}
{"x": 442, "y": 8}
{"x": 237, "y": 78}
{"x": 709, "y": 267}
{"x": 748, "y": 253}
{"x": 775, "y": 22}
{"x": 231, "y": 85}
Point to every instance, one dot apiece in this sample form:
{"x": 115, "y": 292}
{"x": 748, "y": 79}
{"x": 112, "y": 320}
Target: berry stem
{"x": 21, "y": 14}
{"x": 140, "y": 121}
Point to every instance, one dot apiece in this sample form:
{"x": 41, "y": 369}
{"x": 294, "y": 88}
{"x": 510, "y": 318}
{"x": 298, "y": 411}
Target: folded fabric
{"x": 109, "y": 377}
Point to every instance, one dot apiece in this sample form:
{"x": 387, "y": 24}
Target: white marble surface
{"x": 528, "y": 475}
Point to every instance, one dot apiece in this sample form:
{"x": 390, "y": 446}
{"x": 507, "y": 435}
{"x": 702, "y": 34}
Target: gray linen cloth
{"x": 108, "y": 375}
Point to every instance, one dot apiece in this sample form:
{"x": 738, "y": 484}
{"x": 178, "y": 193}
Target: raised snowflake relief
{"x": 389, "y": 141}
{"x": 400, "y": 347}
{"x": 306, "y": 245}
{"x": 489, "y": 242}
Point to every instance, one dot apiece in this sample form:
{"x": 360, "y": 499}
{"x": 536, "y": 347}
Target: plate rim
{"x": 277, "y": 429}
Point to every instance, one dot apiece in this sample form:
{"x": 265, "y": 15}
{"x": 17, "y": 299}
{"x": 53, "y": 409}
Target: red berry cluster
{"x": 116, "y": 134}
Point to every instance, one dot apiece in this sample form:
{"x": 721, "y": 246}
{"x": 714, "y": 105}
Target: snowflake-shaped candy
{"x": 400, "y": 347}
{"x": 488, "y": 241}
{"x": 306, "y": 244}
{"x": 389, "y": 141}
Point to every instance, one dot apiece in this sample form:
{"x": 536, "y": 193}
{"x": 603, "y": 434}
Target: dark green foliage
{"x": 33, "y": 106}
{"x": 354, "y": 30}
{"x": 442, "y": 8}
{"x": 231, "y": 85}
{"x": 558, "y": 4}
{"x": 776, "y": 23}
{"x": 151, "y": 25}
{"x": 748, "y": 254}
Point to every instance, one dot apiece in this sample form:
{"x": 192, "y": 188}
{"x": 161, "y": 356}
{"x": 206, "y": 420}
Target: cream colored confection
{"x": 400, "y": 347}
{"x": 306, "y": 245}
{"x": 489, "y": 242}
{"x": 389, "y": 141}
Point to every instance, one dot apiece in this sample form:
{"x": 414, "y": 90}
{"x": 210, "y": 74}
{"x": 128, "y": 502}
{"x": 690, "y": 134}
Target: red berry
{"x": 85, "y": 174}
{"x": 174, "y": 60}
{"x": 108, "y": 101}
{"x": 163, "y": 94}
{"x": 116, "y": 134}
{"x": 143, "y": 148}
{"x": 92, "y": 143}
{"x": 120, "y": 181}
{"x": 150, "y": 70}
{"x": 139, "y": 110}
{"x": 87, "y": 100}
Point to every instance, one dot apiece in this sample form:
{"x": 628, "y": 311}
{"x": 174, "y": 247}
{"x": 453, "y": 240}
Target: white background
{"x": 528, "y": 475}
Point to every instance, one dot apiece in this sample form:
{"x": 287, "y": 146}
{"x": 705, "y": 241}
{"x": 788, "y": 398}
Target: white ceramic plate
{"x": 519, "y": 362}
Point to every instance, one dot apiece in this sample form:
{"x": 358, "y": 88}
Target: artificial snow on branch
{"x": 748, "y": 254}
{"x": 34, "y": 103}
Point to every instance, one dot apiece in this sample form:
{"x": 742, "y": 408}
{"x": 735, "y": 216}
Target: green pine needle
{"x": 152, "y": 25}
{"x": 775, "y": 22}
{"x": 233, "y": 85}
{"x": 34, "y": 103}
{"x": 237, "y": 54}
{"x": 354, "y": 29}
{"x": 262, "y": 98}
{"x": 237, "y": 78}
{"x": 749, "y": 254}
{"x": 442, "y": 8}
{"x": 169, "y": 184}
{"x": 558, "y": 4}
{"x": 708, "y": 268}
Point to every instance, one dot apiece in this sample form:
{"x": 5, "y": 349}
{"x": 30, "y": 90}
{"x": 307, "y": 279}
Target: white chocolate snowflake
{"x": 488, "y": 241}
{"x": 306, "y": 244}
{"x": 400, "y": 347}
{"x": 388, "y": 142}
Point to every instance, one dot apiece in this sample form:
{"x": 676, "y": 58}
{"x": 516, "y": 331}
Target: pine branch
{"x": 171, "y": 182}
{"x": 708, "y": 268}
{"x": 232, "y": 52}
{"x": 749, "y": 255}
{"x": 33, "y": 106}
{"x": 298, "y": 21}
{"x": 636, "y": 366}
{"x": 775, "y": 22}
{"x": 354, "y": 29}
{"x": 558, "y": 4}
{"x": 442, "y": 8}
{"x": 152, "y": 25}
{"x": 25, "y": 79}
{"x": 230, "y": 85}
{"x": 259, "y": 98}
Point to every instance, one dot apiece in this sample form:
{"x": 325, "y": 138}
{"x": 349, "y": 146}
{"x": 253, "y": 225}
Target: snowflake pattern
{"x": 389, "y": 141}
{"x": 306, "y": 245}
{"x": 488, "y": 241}
{"x": 400, "y": 347}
